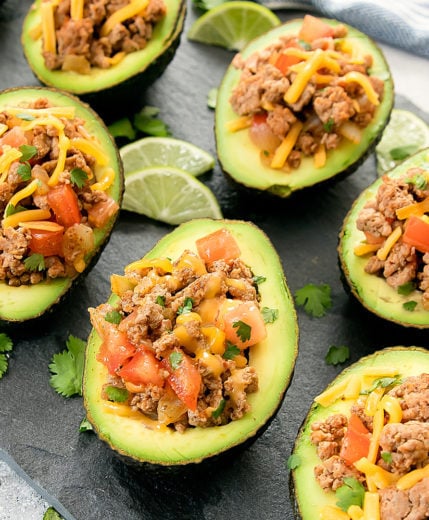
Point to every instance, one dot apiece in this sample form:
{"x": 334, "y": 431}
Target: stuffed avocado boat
{"x": 301, "y": 104}
{"x": 102, "y": 49}
{"x": 362, "y": 451}
{"x": 384, "y": 244}
{"x": 192, "y": 354}
{"x": 61, "y": 186}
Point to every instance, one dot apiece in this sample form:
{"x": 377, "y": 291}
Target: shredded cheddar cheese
{"x": 25, "y": 192}
{"x": 284, "y": 149}
{"x": 371, "y": 506}
{"x": 8, "y": 156}
{"x": 48, "y": 27}
{"x": 63, "y": 144}
{"x": 364, "y": 82}
{"x": 378, "y": 424}
{"x": 24, "y": 216}
{"x": 364, "y": 249}
{"x": 417, "y": 209}
{"x": 90, "y": 147}
{"x": 119, "y": 16}
{"x": 412, "y": 478}
{"x": 391, "y": 240}
{"x": 76, "y": 9}
{"x": 320, "y": 156}
{"x": 41, "y": 225}
{"x": 59, "y": 111}
{"x": 239, "y": 124}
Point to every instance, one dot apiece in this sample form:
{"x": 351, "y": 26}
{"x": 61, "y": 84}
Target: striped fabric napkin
{"x": 400, "y": 23}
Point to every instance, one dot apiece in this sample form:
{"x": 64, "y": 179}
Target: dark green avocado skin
{"x": 44, "y": 317}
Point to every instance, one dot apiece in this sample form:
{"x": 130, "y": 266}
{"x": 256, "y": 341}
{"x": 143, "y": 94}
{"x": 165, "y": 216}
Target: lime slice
{"x": 169, "y": 195}
{"x": 165, "y": 151}
{"x": 233, "y": 24}
{"x": 404, "y": 135}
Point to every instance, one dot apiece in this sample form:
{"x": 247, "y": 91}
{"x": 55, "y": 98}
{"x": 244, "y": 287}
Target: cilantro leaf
{"x": 419, "y": 181}
{"x": 402, "y": 152}
{"x": 186, "y": 307}
{"x": 293, "y": 461}
{"x": 78, "y": 177}
{"x": 329, "y": 125}
{"x": 24, "y": 171}
{"x": 11, "y": 210}
{"x": 243, "y": 330}
{"x": 382, "y": 382}
{"x": 28, "y": 152}
{"x": 406, "y": 288}
{"x": 350, "y": 493}
{"x": 315, "y": 299}
{"x": 175, "y": 359}
{"x": 336, "y": 355}
{"x": 160, "y": 300}
{"x": 4, "y": 363}
{"x": 6, "y": 344}
{"x": 231, "y": 351}
{"x": 35, "y": 262}
{"x": 259, "y": 279}
{"x": 269, "y": 315}
{"x": 386, "y": 456}
{"x": 85, "y": 425}
{"x": 146, "y": 122}
{"x": 113, "y": 317}
{"x": 67, "y": 368}
{"x": 218, "y": 412}
{"x": 52, "y": 514}
{"x": 410, "y": 305}
{"x": 118, "y": 395}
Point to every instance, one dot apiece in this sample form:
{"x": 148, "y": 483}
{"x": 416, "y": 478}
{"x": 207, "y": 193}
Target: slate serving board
{"x": 39, "y": 429}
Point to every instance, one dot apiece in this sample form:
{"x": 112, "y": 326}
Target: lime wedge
{"x": 169, "y": 195}
{"x": 233, "y": 24}
{"x": 404, "y": 135}
{"x": 165, "y": 151}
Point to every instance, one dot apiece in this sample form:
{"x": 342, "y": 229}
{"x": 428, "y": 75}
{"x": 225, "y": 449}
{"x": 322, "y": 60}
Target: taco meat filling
{"x": 396, "y": 228}
{"x": 305, "y": 95}
{"x": 381, "y": 448}
{"x": 176, "y": 341}
{"x": 77, "y": 35}
{"x": 54, "y": 178}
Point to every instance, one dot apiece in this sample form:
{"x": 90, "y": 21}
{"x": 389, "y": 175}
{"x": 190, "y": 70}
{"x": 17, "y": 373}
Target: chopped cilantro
{"x": 35, "y": 262}
{"x": 24, "y": 171}
{"x": 218, "y": 412}
{"x": 293, "y": 461}
{"x": 212, "y": 98}
{"x": 113, "y": 317}
{"x": 329, "y": 125}
{"x": 28, "y": 152}
{"x": 402, "y": 152}
{"x": 410, "y": 305}
{"x": 269, "y": 315}
{"x": 336, "y": 355}
{"x": 406, "y": 288}
{"x": 67, "y": 368}
{"x": 419, "y": 181}
{"x": 305, "y": 45}
{"x": 6, "y": 346}
{"x": 160, "y": 300}
{"x": 315, "y": 299}
{"x": 146, "y": 122}
{"x": 350, "y": 493}
{"x": 259, "y": 279}
{"x": 186, "y": 307}
{"x": 231, "y": 351}
{"x": 78, "y": 177}
{"x": 382, "y": 382}
{"x": 52, "y": 514}
{"x": 85, "y": 425}
{"x": 386, "y": 456}
{"x": 118, "y": 395}
{"x": 11, "y": 210}
{"x": 175, "y": 359}
{"x": 243, "y": 330}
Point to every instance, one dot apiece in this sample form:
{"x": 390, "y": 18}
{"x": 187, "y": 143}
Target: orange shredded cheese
{"x": 416, "y": 209}
{"x": 23, "y": 216}
{"x": 48, "y": 27}
{"x": 128, "y": 11}
{"x": 284, "y": 149}
{"x": 364, "y": 82}
{"x": 391, "y": 240}
{"x": 239, "y": 124}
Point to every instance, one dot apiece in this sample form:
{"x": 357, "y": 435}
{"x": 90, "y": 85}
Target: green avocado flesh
{"x": 306, "y": 494}
{"x": 274, "y": 360}
{"x": 22, "y": 303}
{"x": 372, "y": 291}
{"x": 240, "y": 158}
{"x": 132, "y": 65}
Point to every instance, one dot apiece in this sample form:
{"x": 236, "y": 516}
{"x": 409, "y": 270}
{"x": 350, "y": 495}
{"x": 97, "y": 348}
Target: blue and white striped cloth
{"x": 400, "y": 23}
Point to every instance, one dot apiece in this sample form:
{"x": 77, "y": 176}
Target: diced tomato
{"x": 15, "y": 137}
{"x": 115, "y": 348}
{"x": 101, "y": 212}
{"x": 259, "y": 118}
{"x": 142, "y": 369}
{"x": 184, "y": 378}
{"x": 47, "y": 243}
{"x": 356, "y": 441}
{"x": 244, "y": 325}
{"x": 284, "y": 61}
{"x": 417, "y": 234}
{"x": 313, "y": 28}
{"x": 63, "y": 201}
{"x": 373, "y": 239}
{"x": 220, "y": 245}
{"x": 261, "y": 134}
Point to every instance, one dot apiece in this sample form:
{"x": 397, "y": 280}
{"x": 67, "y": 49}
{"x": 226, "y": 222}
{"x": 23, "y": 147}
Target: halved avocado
{"x": 18, "y": 304}
{"x": 370, "y": 290}
{"x": 140, "y": 440}
{"x": 306, "y": 495}
{"x": 240, "y": 158}
{"x": 116, "y": 89}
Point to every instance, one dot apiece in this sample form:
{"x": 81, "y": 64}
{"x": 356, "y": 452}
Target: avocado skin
{"x": 364, "y": 287}
{"x": 124, "y": 96}
{"x": 247, "y": 178}
{"x": 199, "y": 446}
{"x": 10, "y": 322}
{"x": 406, "y": 358}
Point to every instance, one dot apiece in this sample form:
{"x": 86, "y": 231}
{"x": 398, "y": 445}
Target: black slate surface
{"x": 39, "y": 429}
